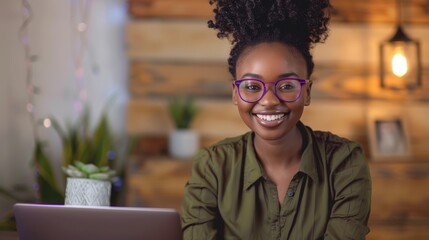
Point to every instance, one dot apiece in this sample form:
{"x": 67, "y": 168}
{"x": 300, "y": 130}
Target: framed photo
{"x": 388, "y": 137}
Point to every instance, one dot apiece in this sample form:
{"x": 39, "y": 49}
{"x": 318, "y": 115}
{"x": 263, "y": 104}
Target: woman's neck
{"x": 284, "y": 152}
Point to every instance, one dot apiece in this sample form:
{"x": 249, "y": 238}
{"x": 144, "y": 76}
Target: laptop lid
{"x": 53, "y": 222}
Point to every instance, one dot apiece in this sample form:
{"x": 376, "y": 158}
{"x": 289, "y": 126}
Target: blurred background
{"x": 132, "y": 59}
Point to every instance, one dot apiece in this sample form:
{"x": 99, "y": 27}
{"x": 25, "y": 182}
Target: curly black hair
{"x": 299, "y": 23}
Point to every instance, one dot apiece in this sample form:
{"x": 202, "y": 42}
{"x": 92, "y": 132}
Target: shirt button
{"x": 290, "y": 193}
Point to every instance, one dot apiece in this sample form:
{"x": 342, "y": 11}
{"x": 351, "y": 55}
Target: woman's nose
{"x": 270, "y": 98}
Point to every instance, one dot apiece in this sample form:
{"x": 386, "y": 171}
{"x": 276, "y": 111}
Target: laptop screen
{"x": 53, "y": 222}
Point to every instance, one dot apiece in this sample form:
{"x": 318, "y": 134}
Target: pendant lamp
{"x": 400, "y": 60}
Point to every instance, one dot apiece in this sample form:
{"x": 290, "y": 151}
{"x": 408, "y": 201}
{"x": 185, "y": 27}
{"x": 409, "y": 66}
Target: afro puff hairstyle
{"x": 299, "y": 23}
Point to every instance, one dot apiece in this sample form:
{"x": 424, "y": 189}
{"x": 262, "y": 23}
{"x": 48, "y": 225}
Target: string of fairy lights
{"x": 79, "y": 18}
{"x": 29, "y": 59}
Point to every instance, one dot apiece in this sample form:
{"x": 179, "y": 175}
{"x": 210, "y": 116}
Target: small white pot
{"x": 87, "y": 192}
{"x": 183, "y": 143}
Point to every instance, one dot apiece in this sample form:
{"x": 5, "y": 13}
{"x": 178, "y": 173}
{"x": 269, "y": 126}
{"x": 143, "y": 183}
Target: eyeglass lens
{"x": 253, "y": 90}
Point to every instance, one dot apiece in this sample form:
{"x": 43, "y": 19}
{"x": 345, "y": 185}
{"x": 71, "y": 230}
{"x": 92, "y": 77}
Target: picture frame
{"x": 389, "y": 137}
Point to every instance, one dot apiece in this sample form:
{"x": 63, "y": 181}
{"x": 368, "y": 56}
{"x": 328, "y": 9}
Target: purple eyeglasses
{"x": 286, "y": 89}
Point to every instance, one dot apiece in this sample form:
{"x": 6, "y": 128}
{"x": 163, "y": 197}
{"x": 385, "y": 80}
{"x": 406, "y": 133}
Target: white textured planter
{"x": 87, "y": 192}
{"x": 183, "y": 143}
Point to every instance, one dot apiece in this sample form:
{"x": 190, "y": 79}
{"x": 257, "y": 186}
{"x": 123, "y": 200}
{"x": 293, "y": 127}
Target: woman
{"x": 281, "y": 180}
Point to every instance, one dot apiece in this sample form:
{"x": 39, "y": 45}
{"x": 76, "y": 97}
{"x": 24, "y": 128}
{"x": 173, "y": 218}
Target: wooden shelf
{"x": 157, "y": 182}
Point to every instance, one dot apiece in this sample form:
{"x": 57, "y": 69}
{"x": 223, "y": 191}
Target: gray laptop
{"x": 54, "y": 222}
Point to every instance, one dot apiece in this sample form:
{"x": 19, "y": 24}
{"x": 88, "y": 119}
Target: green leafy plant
{"x": 182, "y": 110}
{"x": 95, "y": 149}
{"x": 8, "y": 222}
{"x": 48, "y": 189}
{"x": 81, "y": 147}
{"x": 90, "y": 171}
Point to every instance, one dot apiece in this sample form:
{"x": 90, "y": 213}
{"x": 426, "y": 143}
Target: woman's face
{"x": 270, "y": 118}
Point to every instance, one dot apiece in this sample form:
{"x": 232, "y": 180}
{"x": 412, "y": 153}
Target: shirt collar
{"x": 253, "y": 170}
{"x": 309, "y": 159}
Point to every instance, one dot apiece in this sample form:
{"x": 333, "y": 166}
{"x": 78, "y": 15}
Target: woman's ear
{"x": 307, "y": 100}
{"x": 234, "y": 94}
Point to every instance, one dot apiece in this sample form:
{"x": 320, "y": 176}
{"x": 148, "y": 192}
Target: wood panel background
{"x": 172, "y": 40}
{"x": 345, "y": 118}
{"x": 196, "y": 61}
{"x": 169, "y": 58}
{"x": 351, "y": 11}
{"x": 164, "y": 79}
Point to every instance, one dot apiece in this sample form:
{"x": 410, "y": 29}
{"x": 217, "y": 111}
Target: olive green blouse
{"x": 228, "y": 195}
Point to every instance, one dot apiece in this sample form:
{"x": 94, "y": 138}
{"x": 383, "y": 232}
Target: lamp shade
{"x": 400, "y": 62}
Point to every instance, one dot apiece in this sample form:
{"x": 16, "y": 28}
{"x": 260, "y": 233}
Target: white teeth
{"x": 270, "y": 117}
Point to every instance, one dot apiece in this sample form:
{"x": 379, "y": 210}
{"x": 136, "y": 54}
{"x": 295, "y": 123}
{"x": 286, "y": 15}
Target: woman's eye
{"x": 288, "y": 86}
{"x": 251, "y": 86}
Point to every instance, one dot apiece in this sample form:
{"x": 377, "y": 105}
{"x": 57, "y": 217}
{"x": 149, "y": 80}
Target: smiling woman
{"x": 272, "y": 62}
{"x": 281, "y": 180}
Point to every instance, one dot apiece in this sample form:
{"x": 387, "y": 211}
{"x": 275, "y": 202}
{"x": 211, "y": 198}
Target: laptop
{"x": 53, "y": 222}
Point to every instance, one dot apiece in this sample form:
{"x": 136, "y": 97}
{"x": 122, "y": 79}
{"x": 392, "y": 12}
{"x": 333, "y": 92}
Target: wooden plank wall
{"x": 345, "y": 118}
{"x": 380, "y": 11}
{"x": 173, "y": 57}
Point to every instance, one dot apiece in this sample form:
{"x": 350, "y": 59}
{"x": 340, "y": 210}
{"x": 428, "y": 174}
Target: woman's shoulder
{"x": 226, "y": 151}
{"x": 337, "y": 150}
{"x": 333, "y": 141}
{"x": 230, "y": 144}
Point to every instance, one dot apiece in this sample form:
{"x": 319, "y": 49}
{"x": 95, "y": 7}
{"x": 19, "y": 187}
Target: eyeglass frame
{"x": 301, "y": 81}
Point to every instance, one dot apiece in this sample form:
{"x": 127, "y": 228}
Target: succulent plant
{"x": 90, "y": 171}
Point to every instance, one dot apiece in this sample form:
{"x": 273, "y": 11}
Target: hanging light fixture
{"x": 400, "y": 60}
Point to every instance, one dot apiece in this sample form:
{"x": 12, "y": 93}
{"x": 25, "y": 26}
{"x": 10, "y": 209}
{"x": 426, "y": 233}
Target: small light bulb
{"x": 47, "y": 123}
{"x": 399, "y": 64}
{"x": 81, "y": 27}
{"x": 30, "y": 107}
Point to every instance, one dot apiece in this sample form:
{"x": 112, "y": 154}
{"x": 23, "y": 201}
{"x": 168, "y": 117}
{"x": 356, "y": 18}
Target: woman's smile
{"x": 271, "y": 120}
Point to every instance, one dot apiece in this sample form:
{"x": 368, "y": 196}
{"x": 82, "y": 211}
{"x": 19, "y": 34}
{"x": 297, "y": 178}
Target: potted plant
{"x": 80, "y": 143}
{"x": 95, "y": 147}
{"x": 183, "y": 141}
{"x": 88, "y": 184}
